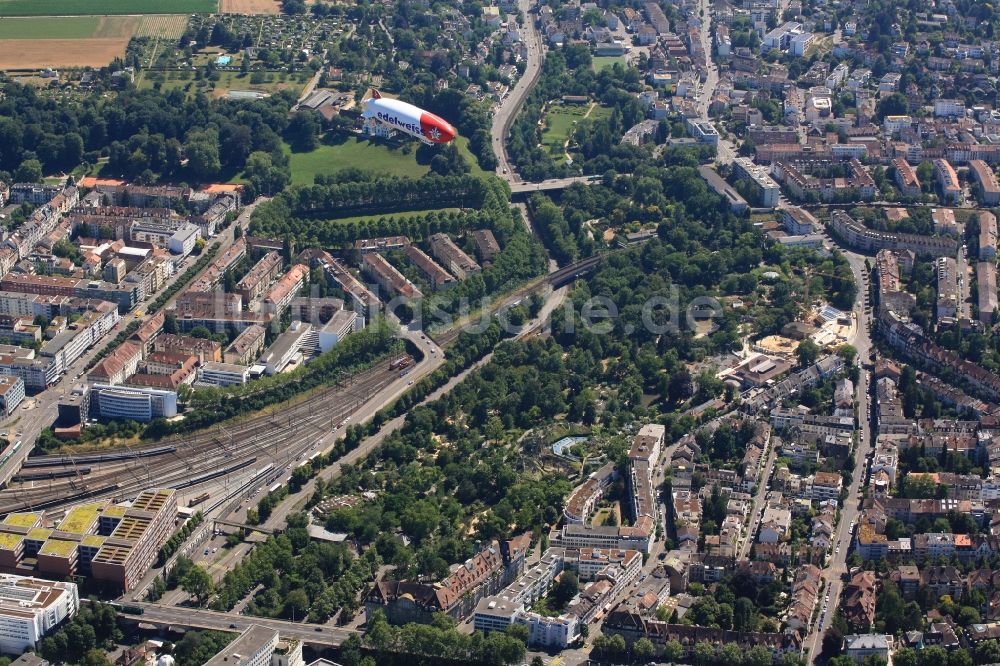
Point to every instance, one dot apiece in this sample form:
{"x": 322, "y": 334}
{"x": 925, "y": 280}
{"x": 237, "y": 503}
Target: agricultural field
{"x": 250, "y": 6}
{"x": 21, "y": 54}
{"x": 69, "y": 27}
{"x": 38, "y": 42}
{"x": 104, "y": 7}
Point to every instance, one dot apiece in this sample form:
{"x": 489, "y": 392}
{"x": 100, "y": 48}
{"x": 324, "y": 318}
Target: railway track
{"x": 277, "y": 437}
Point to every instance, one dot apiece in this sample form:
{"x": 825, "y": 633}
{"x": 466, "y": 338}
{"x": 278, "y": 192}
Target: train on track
{"x": 96, "y": 458}
{"x": 51, "y": 474}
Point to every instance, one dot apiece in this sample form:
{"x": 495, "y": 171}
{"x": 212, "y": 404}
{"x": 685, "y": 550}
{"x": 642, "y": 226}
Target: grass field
{"x": 463, "y": 147}
{"x": 402, "y": 215}
{"x": 559, "y": 122}
{"x": 92, "y": 8}
{"x": 48, "y": 27}
{"x": 358, "y": 153}
{"x": 602, "y": 62}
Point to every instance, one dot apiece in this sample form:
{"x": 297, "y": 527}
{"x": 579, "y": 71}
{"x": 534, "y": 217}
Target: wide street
{"x": 507, "y": 109}
{"x": 837, "y": 565}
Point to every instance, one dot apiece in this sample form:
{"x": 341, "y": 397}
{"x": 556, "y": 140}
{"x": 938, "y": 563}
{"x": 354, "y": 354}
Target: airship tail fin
{"x": 376, "y": 94}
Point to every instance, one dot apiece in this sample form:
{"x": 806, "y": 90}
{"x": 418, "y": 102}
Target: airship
{"x": 410, "y": 119}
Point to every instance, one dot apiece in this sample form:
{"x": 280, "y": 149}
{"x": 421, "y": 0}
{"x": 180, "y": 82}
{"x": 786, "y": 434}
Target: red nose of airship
{"x": 436, "y": 129}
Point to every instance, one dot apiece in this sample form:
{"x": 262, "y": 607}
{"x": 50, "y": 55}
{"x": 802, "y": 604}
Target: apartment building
{"x": 222, "y": 264}
{"x": 946, "y": 308}
{"x": 767, "y": 190}
{"x": 983, "y": 174}
{"x": 383, "y": 244}
{"x": 454, "y": 259}
{"x": 258, "y": 278}
{"x": 858, "y": 236}
{"x": 826, "y": 486}
{"x": 906, "y": 178}
{"x": 987, "y": 236}
{"x": 798, "y": 221}
{"x": 986, "y": 281}
{"x": 363, "y": 300}
{"x": 254, "y": 647}
{"x": 247, "y": 346}
{"x": 387, "y": 277}
{"x": 280, "y": 296}
{"x": 11, "y": 394}
{"x": 438, "y": 277}
{"x": 951, "y": 189}
{"x": 118, "y": 366}
{"x": 797, "y": 176}
{"x": 584, "y": 498}
{"x": 205, "y": 350}
{"x": 486, "y": 245}
{"x": 486, "y": 573}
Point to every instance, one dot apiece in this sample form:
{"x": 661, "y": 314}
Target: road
{"x": 759, "y": 500}
{"x": 725, "y": 150}
{"x": 39, "y": 412}
{"x": 837, "y": 565}
{"x": 195, "y": 618}
{"x": 553, "y": 184}
{"x": 508, "y": 108}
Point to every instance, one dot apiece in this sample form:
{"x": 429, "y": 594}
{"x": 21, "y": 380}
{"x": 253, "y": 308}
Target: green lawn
{"x": 560, "y": 120}
{"x": 402, "y": 215}
{"x": 96, "y": 8}
{"x": 601, "y": 62}
{"x": 463, "y": 147}
{"x": 384, "y": 158}
{"x": 48, "y": 27}
{"x": 355, "y": 152}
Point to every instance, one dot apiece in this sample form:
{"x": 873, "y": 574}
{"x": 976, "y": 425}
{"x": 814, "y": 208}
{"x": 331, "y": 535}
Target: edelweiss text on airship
{"x": 409, "y": 119}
